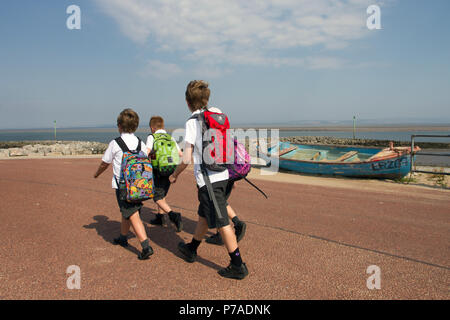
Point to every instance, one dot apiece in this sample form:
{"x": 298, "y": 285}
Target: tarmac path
{"x": 307, "y": 241}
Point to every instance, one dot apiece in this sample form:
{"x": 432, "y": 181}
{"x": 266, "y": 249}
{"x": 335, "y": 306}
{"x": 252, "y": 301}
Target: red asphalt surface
{"x": 305, "y": 242}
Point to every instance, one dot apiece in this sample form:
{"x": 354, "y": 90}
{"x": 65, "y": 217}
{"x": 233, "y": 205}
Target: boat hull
{"x": 382, "y": 169}
{"x": 387, "y": 168}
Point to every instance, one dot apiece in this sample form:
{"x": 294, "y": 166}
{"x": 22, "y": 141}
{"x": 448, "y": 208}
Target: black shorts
{"x": 228, "y": 189}
{"x": 161, "y": 187}
{"x": 206, "y": 207}
{"x": 126, "y": 208}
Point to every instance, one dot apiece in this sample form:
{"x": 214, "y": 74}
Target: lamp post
{"x": 354, "y": 127}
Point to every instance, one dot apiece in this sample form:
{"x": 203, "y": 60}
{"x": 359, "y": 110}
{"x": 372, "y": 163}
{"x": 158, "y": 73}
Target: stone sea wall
{"x": 362, "y": 142}
{"x": 50, "y": 148}
{"x": 13, "y": 149}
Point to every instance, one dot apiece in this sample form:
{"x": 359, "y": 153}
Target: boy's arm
{"x": 106, "y": 159}
{"x": 186, "y": 160}
{"x": 149, "y": 144}
{"x": 101, "y": 168}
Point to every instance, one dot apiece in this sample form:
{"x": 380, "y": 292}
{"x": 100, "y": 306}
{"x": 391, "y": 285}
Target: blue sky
{"x": 267, "y": 61}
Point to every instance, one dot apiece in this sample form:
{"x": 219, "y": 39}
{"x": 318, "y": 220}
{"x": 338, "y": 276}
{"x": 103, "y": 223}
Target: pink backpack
{"x": 241, "y": 166}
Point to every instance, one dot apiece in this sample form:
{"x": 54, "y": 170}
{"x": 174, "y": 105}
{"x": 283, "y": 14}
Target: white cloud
{"x": 237, "y": 32}
{"x": 161, "y": 70}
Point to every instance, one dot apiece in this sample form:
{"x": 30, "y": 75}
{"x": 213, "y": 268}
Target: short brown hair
{"x": 197, "y": 94}
{"x": 128, "y": 120}
{"x": 156, "y": 122}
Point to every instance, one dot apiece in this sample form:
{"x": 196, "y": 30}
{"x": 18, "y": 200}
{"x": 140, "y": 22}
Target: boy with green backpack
{"x": 165, "y": 155}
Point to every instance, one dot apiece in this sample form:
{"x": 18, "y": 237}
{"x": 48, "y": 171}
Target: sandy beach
{"x": 314, "y": 238}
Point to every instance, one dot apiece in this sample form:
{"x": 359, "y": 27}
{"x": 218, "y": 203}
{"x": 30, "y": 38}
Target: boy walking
{"x": 165, "y": 153}
{"x": 197, "y": 97}
{"x": 127, "y": 123}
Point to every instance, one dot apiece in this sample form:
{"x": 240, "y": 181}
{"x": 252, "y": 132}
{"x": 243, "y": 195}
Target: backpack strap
{"x": 138, "y": 149}
{"x": 211, "y": 194}
{"x": 164, "y": 136}
{"x": 124, "y": 146}
{"x": 249, "y": 182}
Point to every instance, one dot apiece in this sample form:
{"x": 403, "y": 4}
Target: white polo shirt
{"x": 151, "y": 139}
{"x": 114, "y": 154}
{"x": 194, "y": 137}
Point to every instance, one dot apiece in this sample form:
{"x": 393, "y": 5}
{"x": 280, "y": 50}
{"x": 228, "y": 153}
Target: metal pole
{"x": 55, "y": 129}
{"x": 354, "y": 127}
{"x": 412, "y": 151}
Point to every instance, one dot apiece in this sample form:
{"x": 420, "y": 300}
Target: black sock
{"x": 235, "y": 220}
{"x": 145, "y": 244}
{"x": 193, "y": 245}
{"x": 122, "y": 238}
{"x": 236, "y": 258}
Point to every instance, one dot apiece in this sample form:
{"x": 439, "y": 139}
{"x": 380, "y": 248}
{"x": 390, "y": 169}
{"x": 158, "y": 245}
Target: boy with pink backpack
{"x": 211, "y": 175}
{"x": 237, "y": 170}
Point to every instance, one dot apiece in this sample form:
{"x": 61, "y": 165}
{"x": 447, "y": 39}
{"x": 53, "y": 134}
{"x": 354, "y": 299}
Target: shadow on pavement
{"x": 108, "y": 230}
{"x": 164, "y": 237}
{"x": 167, "y": 238}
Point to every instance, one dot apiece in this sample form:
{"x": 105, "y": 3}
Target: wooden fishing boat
{"x": 388, "y": 163}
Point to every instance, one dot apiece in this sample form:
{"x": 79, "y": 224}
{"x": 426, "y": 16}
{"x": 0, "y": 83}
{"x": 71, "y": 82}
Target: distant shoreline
{"x": 366, "y": 128}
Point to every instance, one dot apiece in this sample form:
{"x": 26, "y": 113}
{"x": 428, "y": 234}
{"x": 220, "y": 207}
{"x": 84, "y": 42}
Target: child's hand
{"x": 172, "y": 178}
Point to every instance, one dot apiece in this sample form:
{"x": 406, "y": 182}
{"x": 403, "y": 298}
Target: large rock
{"x": 4, "y": 153}
{"x": 18, "y": 152}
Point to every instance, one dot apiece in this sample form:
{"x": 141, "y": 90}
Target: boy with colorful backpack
{"x": 165, "y": 155}
{"x": 211, "y": 177}
{"x": 132, "y": 178}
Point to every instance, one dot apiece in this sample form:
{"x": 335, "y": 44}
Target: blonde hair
{"x": 197, "y": 94}
{"x": 128, "y": 120}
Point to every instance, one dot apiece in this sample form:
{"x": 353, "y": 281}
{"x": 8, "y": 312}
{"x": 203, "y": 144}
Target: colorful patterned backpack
{"x": 136, "y": 174}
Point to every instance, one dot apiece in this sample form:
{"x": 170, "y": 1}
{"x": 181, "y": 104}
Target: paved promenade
{"x": 313, "y": 239}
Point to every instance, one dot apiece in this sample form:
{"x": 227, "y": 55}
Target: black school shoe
{"x": 188, "y": 255}
{"x": 121, "y": 241}
{"x": 234, "y": 272}
{"x": 146, "y": 253}
{"x": 215, "y": 239}
{"x": 239, "y": 231}
{"x": 175, "y": 217}
{"x": 158, "y": 221}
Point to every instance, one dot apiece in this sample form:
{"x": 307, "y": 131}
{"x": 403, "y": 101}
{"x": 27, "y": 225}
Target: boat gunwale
{"x": 342, "y": 162}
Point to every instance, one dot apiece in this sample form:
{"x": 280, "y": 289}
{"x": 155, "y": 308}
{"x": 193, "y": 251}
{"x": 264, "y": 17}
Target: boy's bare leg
{"x": 163, "y": 207}
{"x": 138, "y": 227}
{"x": 229, "y": 238}
{"x": 230, "y": 212}
{"x": 175, "y": 217}
{"x": 189, "y": 250}
{"x": 125, "y": 226}
{"x": 200, "y": 229}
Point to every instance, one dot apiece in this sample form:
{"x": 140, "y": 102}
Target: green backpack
{"x": 164, "y": 154}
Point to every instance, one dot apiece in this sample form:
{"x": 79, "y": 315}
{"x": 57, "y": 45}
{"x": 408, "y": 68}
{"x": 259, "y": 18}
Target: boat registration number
{"x": 389, "y": 164}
